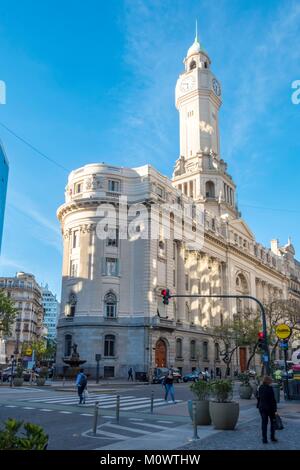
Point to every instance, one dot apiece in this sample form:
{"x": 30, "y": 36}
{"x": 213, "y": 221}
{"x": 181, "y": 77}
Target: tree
{"x": 8, "y": 314}
{"x": 44, "y": 350}
{"x": 241, "y": 331}
{"x": 282, "y": 311}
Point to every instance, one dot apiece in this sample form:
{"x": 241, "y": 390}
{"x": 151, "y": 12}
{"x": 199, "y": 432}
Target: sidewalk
{"x": 247, "y": 435}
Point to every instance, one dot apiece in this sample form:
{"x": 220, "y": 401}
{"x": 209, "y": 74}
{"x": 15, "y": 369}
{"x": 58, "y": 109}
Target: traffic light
{"x": 166, "y": 295}
{"x": 261, "y": 341}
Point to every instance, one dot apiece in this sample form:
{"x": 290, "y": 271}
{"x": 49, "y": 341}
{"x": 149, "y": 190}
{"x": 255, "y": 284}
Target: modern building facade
{"x": 28, "y": 327}
{"x": 51, "y": 311}
{"x": 111, "y": 303}
{"x": 3, "y": 187}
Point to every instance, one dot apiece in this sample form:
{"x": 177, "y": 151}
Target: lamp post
{"x": 13, "y": 363}
{"x": 98, "y": 359}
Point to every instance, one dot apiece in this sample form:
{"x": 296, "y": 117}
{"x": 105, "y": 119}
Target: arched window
{"x": 217, "y": 352}
{"x": 193, "y": 65}
{"x": 178, "y": 348}
{"x": 209, "y": 189}
{"x": 205, "y": 351}
{"x": 109, "y": 345}
{"x": 110, "y": 305}
{"x": 193, "y": 349}
{"x": 68, "y": 345}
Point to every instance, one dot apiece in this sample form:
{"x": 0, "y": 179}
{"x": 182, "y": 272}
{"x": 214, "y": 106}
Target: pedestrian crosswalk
{"x": 127, "y": 402}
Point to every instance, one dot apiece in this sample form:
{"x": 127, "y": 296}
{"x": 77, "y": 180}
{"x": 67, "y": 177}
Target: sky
{"x": 94, "y": 81}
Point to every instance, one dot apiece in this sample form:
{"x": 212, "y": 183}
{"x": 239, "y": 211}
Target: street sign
{"x": 284, "y": 344}
{"x": 283, "y": 331}
{"x": 28, "y": 352}
{"x": 98, "y": 357}
{"x": 265, "y": 358}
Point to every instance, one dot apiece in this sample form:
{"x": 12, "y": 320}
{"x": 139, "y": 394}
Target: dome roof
{"x": 195, "y": 48}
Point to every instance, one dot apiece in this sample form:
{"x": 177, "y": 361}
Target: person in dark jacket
{"x": 169, "y": 387}
{"x": 267, "y": 406}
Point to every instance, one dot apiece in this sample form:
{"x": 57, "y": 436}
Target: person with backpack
{"x": 169, "y": 386}
{"x": 81, "y": 383}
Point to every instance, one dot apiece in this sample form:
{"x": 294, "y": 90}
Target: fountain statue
{"x": 74, "y": 362}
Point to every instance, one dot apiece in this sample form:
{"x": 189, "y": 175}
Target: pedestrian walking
{"x": 169, "y": 385}
{"x": 81, "y": 383}
{"x": 267, "y": 406}
{"x": 130, "y": 374}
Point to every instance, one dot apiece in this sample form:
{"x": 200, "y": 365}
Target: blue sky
{"x": 95, "y": 82}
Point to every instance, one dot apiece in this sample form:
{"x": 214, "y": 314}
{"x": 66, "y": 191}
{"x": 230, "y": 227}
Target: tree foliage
{"x": 8, "y": 314}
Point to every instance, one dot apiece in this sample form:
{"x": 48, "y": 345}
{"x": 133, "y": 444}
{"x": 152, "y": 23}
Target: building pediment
{"x": 240, "y": 226}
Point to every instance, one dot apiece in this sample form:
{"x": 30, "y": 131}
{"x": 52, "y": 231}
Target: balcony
{"x": 163, "y": 323}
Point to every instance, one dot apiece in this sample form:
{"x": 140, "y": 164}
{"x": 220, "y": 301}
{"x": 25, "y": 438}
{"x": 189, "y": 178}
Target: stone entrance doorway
{"x": 160, "y": 354}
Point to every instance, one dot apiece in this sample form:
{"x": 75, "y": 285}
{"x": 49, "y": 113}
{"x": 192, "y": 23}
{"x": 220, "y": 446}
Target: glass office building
{"x": 3, "y": 188}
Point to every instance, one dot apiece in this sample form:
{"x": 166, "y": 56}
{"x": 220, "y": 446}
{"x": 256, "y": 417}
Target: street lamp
{"x": 13, "y": 363}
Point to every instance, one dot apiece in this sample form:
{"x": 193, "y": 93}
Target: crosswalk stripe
{"x": 143, "y": 406}
{"x": 101, "y": 433}
{"x": 139, "y": 431}
{"x": 155, "y": 426}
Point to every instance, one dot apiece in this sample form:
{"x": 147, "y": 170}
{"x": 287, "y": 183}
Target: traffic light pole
{"x": 266, "y": 357}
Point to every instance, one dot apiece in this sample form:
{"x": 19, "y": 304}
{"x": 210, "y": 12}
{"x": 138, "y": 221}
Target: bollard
{"x": 152, "y": 402}
{"x": 64, "y": 378}
{"x": 118, "y": 409}
{"x": 195, "y": 437}
{"x": 96, "y": 410}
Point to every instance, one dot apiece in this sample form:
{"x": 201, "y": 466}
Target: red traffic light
{"x": 261, "y": 335}
{"x": 166, "y": 295}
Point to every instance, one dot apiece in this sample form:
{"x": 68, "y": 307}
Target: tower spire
{"x": 196, "y": 36}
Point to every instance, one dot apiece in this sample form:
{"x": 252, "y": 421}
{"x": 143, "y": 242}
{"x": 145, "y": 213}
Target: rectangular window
{"x": 111, "y": 267}
{"x": 74, "y": 268}
{"x": 174, "y": 277}
{"x": 114, "y": 186}
{"x": 186, "y": 282}
{"x": 76, "y": 239}
{"x": 113, "y": 238}
{"x": 78, "y": 187}
{"x": 160, "y": 191}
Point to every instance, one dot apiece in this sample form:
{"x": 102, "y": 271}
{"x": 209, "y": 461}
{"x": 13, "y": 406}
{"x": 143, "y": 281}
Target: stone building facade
{"x": 28, "y": 327}
{"x": 111, "y": 303}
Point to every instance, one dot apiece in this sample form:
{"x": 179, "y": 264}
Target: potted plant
{"x": 11, "y": 438}
{"x": 18, "y": 377}
{"x": 41, "y": 379}
{"x": 245, "y": 389}
{"x": 201, "y": 390}
{"x": 223, "y": 411}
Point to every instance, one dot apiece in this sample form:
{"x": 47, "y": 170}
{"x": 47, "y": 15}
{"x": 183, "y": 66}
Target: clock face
{"x": 216, "y": 87}
{"x": 187, "y": 83}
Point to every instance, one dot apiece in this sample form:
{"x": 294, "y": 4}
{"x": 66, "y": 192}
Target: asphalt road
{"x": 69, "y": 425}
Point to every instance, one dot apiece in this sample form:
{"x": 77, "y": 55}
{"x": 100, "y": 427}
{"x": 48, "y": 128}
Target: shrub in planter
{"x": 201, "y": 390}
{"x": 41, "y": 379}
{"x": 246, "y": 389}
{"x": 34, "y": 439}
{"x": 223, "y": 411}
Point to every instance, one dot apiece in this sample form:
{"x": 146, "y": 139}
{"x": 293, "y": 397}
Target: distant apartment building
{"x": 51, "y": 311}
{"x": 28, "y": 327}
{"x": 3, "y": 188}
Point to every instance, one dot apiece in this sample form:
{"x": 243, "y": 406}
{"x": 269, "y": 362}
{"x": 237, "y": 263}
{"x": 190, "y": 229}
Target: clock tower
{"x": 200, "y": 172}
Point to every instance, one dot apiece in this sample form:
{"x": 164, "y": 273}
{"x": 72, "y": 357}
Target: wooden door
{"x": 160, "y": 354}
{"x": 243, "y": 359}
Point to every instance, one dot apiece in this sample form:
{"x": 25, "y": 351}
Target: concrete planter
{"x": 224, "y": 415}
{"x": 202, "y": 412}
{"x": 246, "y": 391}
{"x": 18, "y": 381}
{"x": 40, "y": 381}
